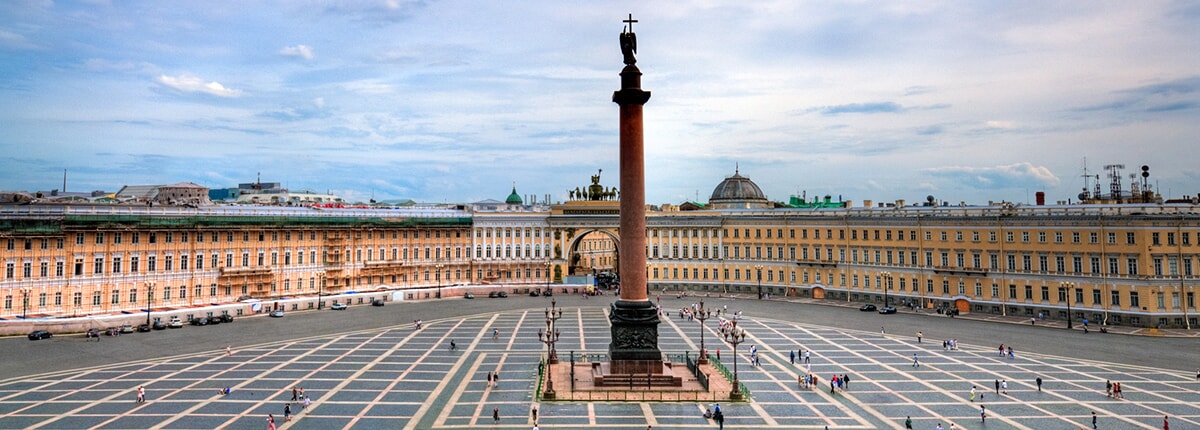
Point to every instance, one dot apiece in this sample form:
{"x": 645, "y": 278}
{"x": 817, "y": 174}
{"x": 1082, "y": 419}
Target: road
{"x": 23, "y": 357}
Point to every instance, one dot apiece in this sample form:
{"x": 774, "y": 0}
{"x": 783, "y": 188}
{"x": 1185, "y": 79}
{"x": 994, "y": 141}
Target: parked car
{"x": 887, "y": 310}
{"x": 127, "y": 328}
{"x": 40, "y": 334}
{"x": 144, "y": 327}
{"x": 214, "y": 320}
{"x": 338, "y": 306}
{"x": 377, "y": 302}
{"x": 225, "y": 318}
{"x": 92, "y": 332}
{"x": 493, "y": 294}
{"x": 535, "y": 293}
{"x": 469, "y": 295}
{"x": 867, "y": 308}
{"x": 158, "y": 324}
{"x": 278, "y": 313}
{"x": 502, "y": 294}
{"x": 200, "y": 321}
{"x": 547, "y": 293}
{"x": 113, "y": 331}
{"x": 175, "y": 323}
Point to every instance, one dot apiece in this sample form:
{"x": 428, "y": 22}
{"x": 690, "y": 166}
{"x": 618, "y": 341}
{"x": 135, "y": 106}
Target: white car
{"x": 277, "y": 313}
{"x": 338, "y": 306}
{"x": 175, "y": 323}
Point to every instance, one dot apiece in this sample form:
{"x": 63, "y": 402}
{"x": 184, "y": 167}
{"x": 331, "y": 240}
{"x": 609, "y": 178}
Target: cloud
{"x": 1018, "y": 175}
{"x": 1175, "y": 95}
{"x": 872, "y": 108}
{"x": 192, "y": 84}
{"x": 9, "y": 39}
{"x": 999, "y": 124}
{"x": 302, "y": 51}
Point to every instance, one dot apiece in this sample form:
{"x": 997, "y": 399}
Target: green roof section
{"x": 514, "y": 198}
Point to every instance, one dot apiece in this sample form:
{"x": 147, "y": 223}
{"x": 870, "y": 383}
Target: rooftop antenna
{"x": 64, "y": 180}
{"x": 1114, "y": 180}
{"x": 1084, "y": 194}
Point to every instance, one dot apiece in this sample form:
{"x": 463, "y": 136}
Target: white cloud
{"x": 999, "y": 124}
{"x": 192, "y": 84}
{"x": 302, "y": 51}
{"x": 319, "y": 102}
{"x": 14, "y": 40}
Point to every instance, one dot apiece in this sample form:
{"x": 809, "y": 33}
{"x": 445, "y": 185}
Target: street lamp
{"x": 759, "y": 268}
{"x": 24, "y": 300}
{"x": 549, "y": 336}
{"x": 552, "y": 316}
{"x": 439, "y": 267}
{"x": 320, "y": 287}
{"x": 702, "y": 315}
{"x": 1070, "y": 288}
{"x": 547, "y": 264}
{"x": 735, "y": 336}
{"x": 149, "y": 294}
{"x": 887, "y": 284}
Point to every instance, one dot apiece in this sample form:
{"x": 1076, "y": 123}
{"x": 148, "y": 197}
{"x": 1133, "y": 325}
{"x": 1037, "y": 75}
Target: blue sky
{"x": 456, "y": 101}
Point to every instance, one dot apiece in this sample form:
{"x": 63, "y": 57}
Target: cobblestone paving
{"x": 404, "y": 378}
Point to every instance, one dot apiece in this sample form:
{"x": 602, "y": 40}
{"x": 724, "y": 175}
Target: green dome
{"x": 514, "y": 198}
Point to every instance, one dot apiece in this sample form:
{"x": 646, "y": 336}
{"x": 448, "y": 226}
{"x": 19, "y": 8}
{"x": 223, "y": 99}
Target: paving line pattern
{"x": 398, "y": 377}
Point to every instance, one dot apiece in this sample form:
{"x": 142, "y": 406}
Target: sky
{"x": 457, "y": 101}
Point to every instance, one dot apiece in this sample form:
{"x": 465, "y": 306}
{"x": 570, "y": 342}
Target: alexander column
{"x": 634, "y": 347}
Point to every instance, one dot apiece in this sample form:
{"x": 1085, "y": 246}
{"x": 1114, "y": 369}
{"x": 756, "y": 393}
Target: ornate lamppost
{"x": 1070, "y": 288}
{"x": 149, "y": 295}
{"x": 547, "y": 264}
{"x": 439, "y": 267}
{"x": 25, "y": 300}
{"x": 735, "y": 336}
{"x": 759, "y": 267}
{"x": 320, "y": 287}
{"x": 702, "y": 315}
{"x": 549, "y": 336}
{"x": 887, "y": 284}
{"x": 552, "y": 316}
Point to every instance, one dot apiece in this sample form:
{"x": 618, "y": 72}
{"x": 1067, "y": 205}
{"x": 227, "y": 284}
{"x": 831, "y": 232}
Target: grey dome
{"x": 737, "y": 191}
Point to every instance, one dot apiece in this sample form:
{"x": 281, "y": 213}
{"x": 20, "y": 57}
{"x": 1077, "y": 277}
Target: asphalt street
{"x": 22, "y": 357}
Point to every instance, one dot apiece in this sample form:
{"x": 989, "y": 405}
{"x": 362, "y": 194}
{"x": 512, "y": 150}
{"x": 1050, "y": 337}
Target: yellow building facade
{"x": 1115, "y": 264}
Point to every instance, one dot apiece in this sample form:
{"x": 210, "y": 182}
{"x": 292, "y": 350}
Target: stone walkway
{"x": 402, "y": 378}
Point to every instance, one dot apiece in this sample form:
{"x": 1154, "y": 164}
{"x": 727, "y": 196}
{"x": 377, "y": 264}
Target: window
{"x": 1134, "y": 302}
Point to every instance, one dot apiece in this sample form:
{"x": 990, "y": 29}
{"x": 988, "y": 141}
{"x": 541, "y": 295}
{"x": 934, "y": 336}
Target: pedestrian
{"x": 807, "y": 355}
{"x": 1093, "y": 420}
{"x": 1166, "y": 425}
{"x": 1117, "y": 393}
{"x": 915, "y": 362}
{"x": 496, "y": 378}
{"x": 270, "y": 422}
{"x": 495, "y": 333}
{"x": 533, "y": 413}
{"x": 1010, "y": 353}
{"x": 972, "y": 393}
{"x": 982, "y": 414}
{"x": 846, "y": 382}
{"x": 301, "y": 391}
{"x": 1198, "y": 373}
{"x": 1002, "y": 350}
{"x": 307, "y": 401}
{"x": 1039, "y": 384}
{"x": 496, "y": 415}
{"x": 908, "y": 423}
{"x": 719, "y": 417}
{"x": 832, "y": 384}
{"x": 489, "y": 378}
{"x": 1004, "y": 386}
{"x": 1108, "y": 386}
{"x": 939, "y": 427}
{"x": 792, "y": 356}
{"x": 228, "y": 350}
{"x": 1032, "y": 321}
{"x": 997, "y": 386}
{"x": 295, "y": 393}
{"x": 287, "y": 412}
{"x": 141, "y": 394}
{"x": 452, "y": 345}
{"x": 919, "y": 336}
{"x": 718, "y": 354}
{"x": 881, "y": 330}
